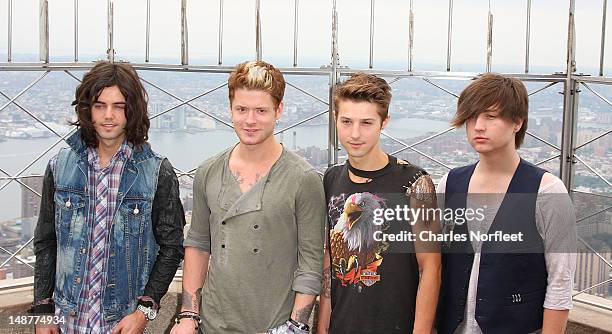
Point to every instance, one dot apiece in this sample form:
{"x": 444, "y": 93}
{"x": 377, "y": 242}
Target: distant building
{"x": 188, "y": 202}
{"x": 180, "y": 118}
{"x": 201, "y": 122}
{"x": 30, "y": 201}
{"x": 27, "y": 228}
{"x": 590, "y": 271}
{"x": 17, "y": 269}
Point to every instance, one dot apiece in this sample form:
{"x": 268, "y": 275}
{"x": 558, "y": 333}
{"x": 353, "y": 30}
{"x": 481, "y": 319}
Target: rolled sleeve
{"x": 556, "y": 219}
{"x": 310, "y": 219}
{"x": 198, "y": 235}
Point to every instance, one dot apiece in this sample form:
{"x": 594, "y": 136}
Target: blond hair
{"x": 257, "y": 75}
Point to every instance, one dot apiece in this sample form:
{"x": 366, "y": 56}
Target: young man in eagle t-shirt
{"x": 373, "y": 285}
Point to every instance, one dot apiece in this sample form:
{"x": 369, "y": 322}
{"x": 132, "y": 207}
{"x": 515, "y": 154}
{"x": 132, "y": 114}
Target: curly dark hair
{"x": 105, "y": 74}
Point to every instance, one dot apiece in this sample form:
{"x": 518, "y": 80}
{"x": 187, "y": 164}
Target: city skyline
{"x": 414, "y": 100}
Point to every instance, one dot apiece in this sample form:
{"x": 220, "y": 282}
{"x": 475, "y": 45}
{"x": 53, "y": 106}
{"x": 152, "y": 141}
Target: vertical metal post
{"x": 489, "y": 39}
{"x": 184, "y": 36}
{"x": 449, "y": 35}
{"x": 9, "y": 53}
{"x": 110, "y": 25}
{"x": 76, "y": 31}
{"x": 295, "y": 32}
{"x": 43, "y": 28}
{"x": 527, "y": 36}
{"x": 410, "y": 37}
{"x": 220, "y": 58}
{"x": 372, "y": 2}
{"x": 570, "y": 105}
{"x": 603, "y": 38}
{"x": 258, "y": 29}
{"x": 332, "y": 142}
{"x": 148, "y": 31}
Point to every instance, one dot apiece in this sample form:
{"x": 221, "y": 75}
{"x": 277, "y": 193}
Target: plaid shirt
{"x": 103, "y": 185}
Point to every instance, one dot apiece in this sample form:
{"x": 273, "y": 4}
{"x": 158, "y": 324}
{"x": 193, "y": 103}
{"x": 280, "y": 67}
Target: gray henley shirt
{"x": 265, "y": 244}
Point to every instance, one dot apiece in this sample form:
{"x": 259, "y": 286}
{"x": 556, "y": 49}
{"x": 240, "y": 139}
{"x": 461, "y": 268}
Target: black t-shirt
{"x": 374, "y": 283}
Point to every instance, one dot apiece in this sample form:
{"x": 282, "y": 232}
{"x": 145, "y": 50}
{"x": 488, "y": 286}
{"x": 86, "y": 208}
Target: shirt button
{"x": 83, "y": 250}
{"x": 68, "y": 204}
{"x": 223, "y": 246}
{"x": 255, "y": 226}
{"x": 222, "y": 223}
{"x": 78, "y": 280}
{"x": 255, "y": 250}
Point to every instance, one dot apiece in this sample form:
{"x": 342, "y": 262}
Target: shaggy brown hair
{"x": 361, "y": 87}
{"x": 506, "y": 94}
{"x": 105, "y": 74}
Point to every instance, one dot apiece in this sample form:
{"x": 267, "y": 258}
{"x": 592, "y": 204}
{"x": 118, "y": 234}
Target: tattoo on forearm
{"x": 187, "y": 299}
{"x": 198, "y": 299}
{"x": 192, "y": 301}
{"x": 326, "y": 285}
{"x": 302, "y": 315}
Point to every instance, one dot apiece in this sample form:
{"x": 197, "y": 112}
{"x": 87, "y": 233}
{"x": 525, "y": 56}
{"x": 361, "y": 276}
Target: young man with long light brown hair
{"x": 520, "y": 285}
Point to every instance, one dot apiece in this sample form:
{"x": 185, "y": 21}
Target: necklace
{"x": 372, "y": 174}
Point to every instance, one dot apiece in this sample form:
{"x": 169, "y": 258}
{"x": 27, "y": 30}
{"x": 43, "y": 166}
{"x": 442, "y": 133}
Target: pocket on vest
{"x": 69, "y": 216}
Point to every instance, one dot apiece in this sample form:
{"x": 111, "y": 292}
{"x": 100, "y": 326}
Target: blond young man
{"x": 254, "y": 252}
{"x": 369, "y": 285}
{"x": 514, "y": 286}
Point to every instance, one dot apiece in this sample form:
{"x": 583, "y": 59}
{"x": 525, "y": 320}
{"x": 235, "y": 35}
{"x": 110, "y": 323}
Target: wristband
{"x": 299, "y": 325}
{"x": 188, "y": 315}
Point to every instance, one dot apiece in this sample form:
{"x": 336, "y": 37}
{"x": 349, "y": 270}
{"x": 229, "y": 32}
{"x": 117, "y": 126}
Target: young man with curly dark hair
{"x": 110, "y": 231}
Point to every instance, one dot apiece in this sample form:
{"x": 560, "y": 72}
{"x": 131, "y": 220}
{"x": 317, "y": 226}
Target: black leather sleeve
{"x": 168, "y": 222}
{"x": 45, "y": 247}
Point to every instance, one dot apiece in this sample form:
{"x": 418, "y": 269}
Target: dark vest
{"x": 513, "y": 277}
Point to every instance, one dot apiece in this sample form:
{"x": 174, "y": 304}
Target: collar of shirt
{"x": 231, "y": 197}
{"x": 123, "y": 153}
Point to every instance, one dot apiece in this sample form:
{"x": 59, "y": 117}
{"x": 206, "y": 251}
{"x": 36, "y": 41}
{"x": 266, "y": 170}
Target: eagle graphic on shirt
{"x": 355, "y": 254}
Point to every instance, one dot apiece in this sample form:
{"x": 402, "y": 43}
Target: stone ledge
{"x": 586, "y": 317}
{"x": 16, "y": 297}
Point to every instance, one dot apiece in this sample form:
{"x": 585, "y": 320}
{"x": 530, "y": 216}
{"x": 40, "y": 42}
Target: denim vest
{"x": 512, "y": 278}
{"x": 133, "y": 248}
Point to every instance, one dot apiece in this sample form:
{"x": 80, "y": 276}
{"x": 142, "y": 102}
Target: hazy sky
{"x": 548, "y": 31}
